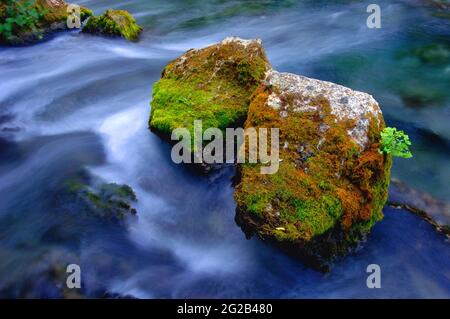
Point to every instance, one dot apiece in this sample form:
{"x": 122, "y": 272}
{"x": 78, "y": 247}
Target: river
{"x": 80, "y": 102}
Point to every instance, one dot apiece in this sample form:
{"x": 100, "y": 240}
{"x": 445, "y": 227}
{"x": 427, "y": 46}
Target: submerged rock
{"x": 434, "y": 53}
{"x": 107, "y": 201}
{"x": 26, "y": 22}
{"x": 332, "y": 181}
{"x": 422, "y": 80}
{"x": 441, "y": 8}
{"x": 213, "y": 84}
{"x": 400, "y": 194}
{"x": 114, "y": 23}
{"x": 44, "y": 276}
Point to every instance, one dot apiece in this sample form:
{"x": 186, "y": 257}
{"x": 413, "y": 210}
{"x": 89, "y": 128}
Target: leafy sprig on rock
{"x": 395, "y": 143}
{"x": 16, "y": 16}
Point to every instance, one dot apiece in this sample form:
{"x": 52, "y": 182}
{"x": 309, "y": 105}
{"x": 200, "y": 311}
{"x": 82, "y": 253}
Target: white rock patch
{"x": 243, "y": 42}
{"x": 345, "y": 103}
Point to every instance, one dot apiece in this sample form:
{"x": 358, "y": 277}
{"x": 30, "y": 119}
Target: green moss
{"x": 114, "y": 23}
{"x": 179, "y": 104}
{"x": 75, "y": 186}
{"x": 86, "y": 13}
{"x": 329, "y": 196}
{"x": 109, "y": 201}
{"x": 435, "y": 53}
{"x": 288, "y": 233}
{"x": 379, "y": 191}
{"x": 96, "y": 200}
{"x": 257, "y": 203}
{"x": 194, "y": 88}
{"x": 320, "y": 216}
{"x": 113, "y": 190}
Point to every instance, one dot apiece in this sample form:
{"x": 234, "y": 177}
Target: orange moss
{"x": 213, "y": 84}
{"x": 323, "y": 182}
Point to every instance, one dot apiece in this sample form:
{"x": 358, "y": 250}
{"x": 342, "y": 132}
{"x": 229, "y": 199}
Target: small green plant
{"x": 395, "y": 143}
{"x": 18, "y": 16}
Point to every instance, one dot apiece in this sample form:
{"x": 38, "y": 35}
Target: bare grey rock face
{"x": 346, "y": 104}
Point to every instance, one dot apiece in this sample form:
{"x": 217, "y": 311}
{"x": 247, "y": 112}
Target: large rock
{"x": 213, "y": 84}
{"x": 332, "y": 180}
{"x": 114, "y": 23}
{"x": 44, "y": 17}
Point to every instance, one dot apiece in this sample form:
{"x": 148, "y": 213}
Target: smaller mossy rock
{"x": 332, "y": 181}
{"x": 441, "y": 8}
{"x": 27, "y": 22}
{"x": 114, "y": 23}
{"x": 213, "y": 84}
{"x": 417, "y": 93}
{"x": 108, "y": 201}
{"x": 434, "y": 53}
{"x": 422, "y": 80}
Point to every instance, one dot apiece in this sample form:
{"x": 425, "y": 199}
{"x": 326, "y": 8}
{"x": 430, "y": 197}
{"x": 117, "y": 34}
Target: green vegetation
{"x": 16, "y": 16}
{"x": 108, "y": 201}
{"x": 193, "y": 87}
{"x": 395, "y": 143}
{"x": 434, "y": 53}
{"x": 119, "y": 23}
{"x": 179, "y": 104}
{"x": 23, "y": 22}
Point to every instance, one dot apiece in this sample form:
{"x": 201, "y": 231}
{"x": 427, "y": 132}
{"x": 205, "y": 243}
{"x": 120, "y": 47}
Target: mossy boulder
{"x": 213, "y": 84}
{"x": 114, "y": 23}
{"x": 27, "y": 22}
{"x": 332, "y": 181}
{"x": 107, "y": 201}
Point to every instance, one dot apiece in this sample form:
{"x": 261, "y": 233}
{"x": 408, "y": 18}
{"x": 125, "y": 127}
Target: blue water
{"x": 79, "y": 102}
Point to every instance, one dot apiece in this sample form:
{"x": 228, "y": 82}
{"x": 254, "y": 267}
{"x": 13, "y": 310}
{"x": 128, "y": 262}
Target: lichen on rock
{"x": 114, "y": 23}
{"x": 332, "y": 181}
{"x": 213, "y": 84}
{"x": 26, "y": 22}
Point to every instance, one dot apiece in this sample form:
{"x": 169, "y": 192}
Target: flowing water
{"x": 80, "y": 102}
